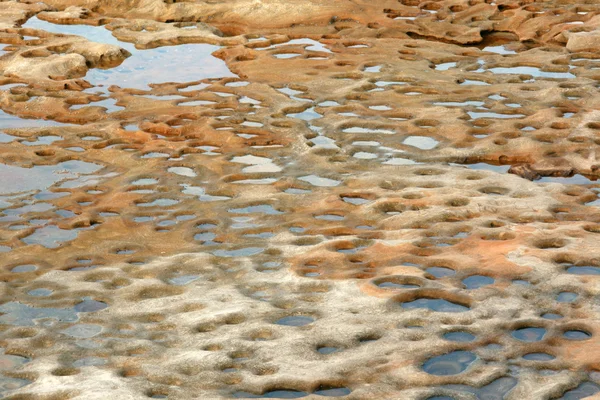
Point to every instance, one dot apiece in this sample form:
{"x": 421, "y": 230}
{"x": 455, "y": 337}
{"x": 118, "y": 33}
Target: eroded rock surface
{"x": 275, "y": 199}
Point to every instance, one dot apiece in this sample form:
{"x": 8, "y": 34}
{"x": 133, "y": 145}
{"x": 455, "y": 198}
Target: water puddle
{"x": 328, "y": 350}
{"x": 245, "y": 252}
{"x": 43, "y": 140}
{"x": 167, "y": 64}
{"x": 329, "y": 217}
{"x": 292, "y": 93}
{"x": 440, "y": 272}
{"x": 15, "y": 214}
{"x": 566, "y": 297}
{"x": 286, "y": 55}
{"x": 324, "y": 391}
{"x": 256, "y": 164}
{"x": 273, "y": 394}
{"x": 529, "y": 334}
{"x": 308, "y": 44}
{"x": 584, "y": 390}
{"x": 263, "y": 181}
{"x": 439, "y": 305}
{"x": 243, "y": 223}
{"x": 19, "y": 314}
{"x": 109, "y": 104}
{"x": 163, "y": 202}
{"x": 295, "y": 320}
{"x": 307, "y": 115}
{"x": 86, "y": 180}
{"x": 421, "y": 142}
{"x": 194, "y": 103}
{"x": 163, "y": 97}
{"x": 328, "y": 103}
{"x": 50, "y": 236}
{"x": 205, "y": 237}
{"x": 577, "y": 335}
{"x": 399, "y": 161}
{"x": 8, "y": 384}
{"x": 259, "y": 209}
{"x": 468, "y": 82}
{"x": 319, "y": 181}
{"x": 182, "y": 171}
{"x": 4, "y": 138}
{"x": 459, "y": 103}
{"x": 538, "y": 357}
{"x": 373, "y": 69}
{"x": 576, "y": 179}
{"x": 201, "y": 193}
{"x": 533, "y": 71}
{"x": 96, "y": 34}
{"x": 552, "y": 316}
{"x": 10, "y": 362}
{"x": 324, "y": 142}
{"x": 183, "y": 280}
{"x": 487, "y": 114}
{"x": 83, "y": 331}
{"x": 262, "y": 235}
{"x": 477, "y": 281}
{"x": 357, "y": 201}
{"x": 17, "y": 179}
{"x": 583, "y": 270}
{"x": 380, "y": 108}
{"x": 497, "y": 390}
{"x": 358, "y": 129}
{"x": 392, "y": 284}
{"x": 12, "y": 121}
{"x": 452, "y": 363}
{"x": 155, "y": 154}
{"x": 237, "y": 84}
{"x": 486, "y": 167}
{"x": 362, "y": 155}
{"x": 382, "y": 84}
{"x": 90, "y": 305}
{"x": 445, "y": 66}
{"x": 41, "y": 292}
{"x": 498, "y": 50}
{"x": 459, "y": 336}
{"x": 89, "y": 362}
{"x": 182, "y": 63}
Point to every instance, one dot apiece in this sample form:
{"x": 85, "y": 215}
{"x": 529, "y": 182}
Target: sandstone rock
{"x": 583, "y": 41}
{"x": 329, "y": 204}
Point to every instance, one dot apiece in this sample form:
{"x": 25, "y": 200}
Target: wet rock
{"x": 311, "y": 196}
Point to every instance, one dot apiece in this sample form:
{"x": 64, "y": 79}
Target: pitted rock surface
{"x": 284, "y": 199}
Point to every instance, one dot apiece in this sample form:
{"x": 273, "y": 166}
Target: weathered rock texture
{"x": 361, "y": 180}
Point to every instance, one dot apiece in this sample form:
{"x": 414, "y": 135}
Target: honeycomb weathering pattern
{"x": 353, "y": 199}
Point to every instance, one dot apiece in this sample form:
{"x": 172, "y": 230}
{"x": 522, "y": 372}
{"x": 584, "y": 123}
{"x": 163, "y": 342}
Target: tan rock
{"x": 583, "y": 41}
